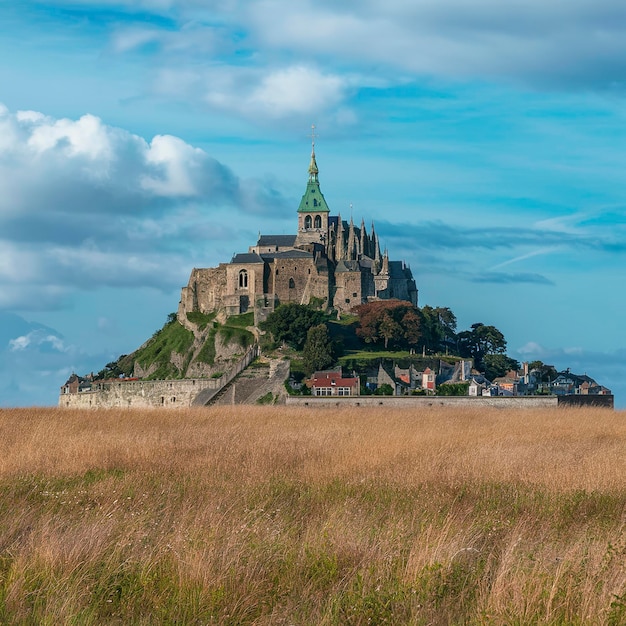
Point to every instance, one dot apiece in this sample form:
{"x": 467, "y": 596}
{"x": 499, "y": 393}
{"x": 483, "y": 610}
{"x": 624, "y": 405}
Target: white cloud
{"x": 174, "y": 160}
{"x": 568, "y": 42}
{"x": 79, "y": 201}
{"x": 130, "y": 39}
{"x": 297, "y": 90}
{"x": 37, "y": 339}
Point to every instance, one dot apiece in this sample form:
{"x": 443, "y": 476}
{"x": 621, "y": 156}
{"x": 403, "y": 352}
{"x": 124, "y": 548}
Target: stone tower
{"x": 313, "y": 211}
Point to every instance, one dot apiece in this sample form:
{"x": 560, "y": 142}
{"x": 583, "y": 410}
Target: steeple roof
{"x": 313, "y": 200}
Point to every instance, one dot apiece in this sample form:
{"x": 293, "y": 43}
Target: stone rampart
{"x": 406, "y": 402}
{"x": 169, "y": 394}
{"x": 140, "y": 394}
{"x": 498, "y": 402}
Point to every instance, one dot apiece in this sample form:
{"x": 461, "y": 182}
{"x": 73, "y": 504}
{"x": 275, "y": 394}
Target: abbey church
{"x": 329, "y": 261}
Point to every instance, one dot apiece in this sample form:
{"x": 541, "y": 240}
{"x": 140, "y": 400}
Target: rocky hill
{"x": 197, "y": 346}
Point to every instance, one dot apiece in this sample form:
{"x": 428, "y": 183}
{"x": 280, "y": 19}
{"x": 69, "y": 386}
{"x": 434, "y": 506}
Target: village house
{"x": 567, "y": 383}
{"x": 77, "y": 384}
{"x": 333, "y": 383}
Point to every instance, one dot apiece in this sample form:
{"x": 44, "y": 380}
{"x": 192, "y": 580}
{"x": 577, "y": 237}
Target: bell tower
{"x": 313, "y": 211}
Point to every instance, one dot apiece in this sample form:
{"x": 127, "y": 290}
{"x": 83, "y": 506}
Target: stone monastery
{"x": 329, "y": 261}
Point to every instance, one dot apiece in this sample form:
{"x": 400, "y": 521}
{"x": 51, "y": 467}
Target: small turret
{"x": 385, "y": 267}
{"x": 340, "y": 244}
{"x": 364, "y": 248}
{"x": 351, "y": 242}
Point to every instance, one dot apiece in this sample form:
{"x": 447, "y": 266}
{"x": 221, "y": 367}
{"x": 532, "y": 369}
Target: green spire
{"x": 313, "y": 171}
{"x": 313, "y": 200}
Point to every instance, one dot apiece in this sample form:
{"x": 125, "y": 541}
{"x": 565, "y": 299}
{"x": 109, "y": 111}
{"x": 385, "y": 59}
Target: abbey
{"x": 330, "y": 261}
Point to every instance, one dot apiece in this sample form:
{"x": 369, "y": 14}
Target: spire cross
{"x": 313, "y": 136}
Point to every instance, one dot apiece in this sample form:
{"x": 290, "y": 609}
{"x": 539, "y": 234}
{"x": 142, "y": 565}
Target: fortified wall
{"x": 167, "y": 394}
{"x": 140, "y": 394}
{"x": 498, "y": 402}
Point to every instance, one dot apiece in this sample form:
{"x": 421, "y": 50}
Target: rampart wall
{"x": 499, "y": 402}
{"x": 405, "y": 402}
{"x": 167, "y": 394}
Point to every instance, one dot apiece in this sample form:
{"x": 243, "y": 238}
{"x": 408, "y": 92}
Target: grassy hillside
{"x": 170, "y": 349}
{"x": 273, "y": 516}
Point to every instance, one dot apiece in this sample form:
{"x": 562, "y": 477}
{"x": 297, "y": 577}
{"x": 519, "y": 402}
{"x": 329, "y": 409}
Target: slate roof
{"x": 397, "y": 269}
{"x": 247, "y": 257}
{"x": 287, "y": 254}
{"x": 282, "y": 241}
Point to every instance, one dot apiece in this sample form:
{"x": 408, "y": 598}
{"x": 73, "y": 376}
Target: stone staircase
{"x": 255, "y": 382}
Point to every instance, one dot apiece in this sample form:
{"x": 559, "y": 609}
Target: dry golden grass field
{"x": 272, "y": 515}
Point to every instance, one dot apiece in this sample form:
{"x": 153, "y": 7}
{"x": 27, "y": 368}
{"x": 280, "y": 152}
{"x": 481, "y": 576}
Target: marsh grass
{"x": 272, "y": 515}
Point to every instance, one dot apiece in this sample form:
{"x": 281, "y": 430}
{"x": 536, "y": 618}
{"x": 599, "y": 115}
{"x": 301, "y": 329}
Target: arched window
{"x": 292, "y": 283}
{"x": 243, "y": 279}
{"x": 307, "y": 221}
{"x": 318, "y": 221}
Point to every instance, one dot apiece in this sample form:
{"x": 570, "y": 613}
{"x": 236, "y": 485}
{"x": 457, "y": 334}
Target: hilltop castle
{"x": 329, "y": 260}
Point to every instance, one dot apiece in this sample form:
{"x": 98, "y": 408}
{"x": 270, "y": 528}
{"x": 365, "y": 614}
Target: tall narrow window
{"x": 292, "y": 283}
{"x": 243, "y": 279}
{"x": 307, "y": 221}
{"x": 318, "y": 221}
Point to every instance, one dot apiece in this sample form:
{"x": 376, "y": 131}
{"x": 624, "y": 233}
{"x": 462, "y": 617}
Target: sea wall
{"x": 499, "y": 402}
{"x": 405, "y": 402}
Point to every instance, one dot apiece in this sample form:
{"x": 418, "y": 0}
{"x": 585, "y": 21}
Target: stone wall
{"x": 349, "y": 290}
{"x": 169, "y": 394}
{"x": 413, "y": 402}
{"x": 205, "y": 290}
{"x": 140, "y": 394}
{"x": 291, "y": 278}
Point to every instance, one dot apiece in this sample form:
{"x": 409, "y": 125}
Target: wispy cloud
{"x": 502, "y": 278}
{"x": 524, "y": 257}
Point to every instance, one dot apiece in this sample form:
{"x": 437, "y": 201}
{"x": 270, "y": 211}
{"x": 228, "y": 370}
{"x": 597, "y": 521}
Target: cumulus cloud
{"x": 84, "y": 204}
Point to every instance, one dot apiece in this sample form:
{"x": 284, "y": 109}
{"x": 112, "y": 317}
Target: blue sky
{"x": 140, "y": 139}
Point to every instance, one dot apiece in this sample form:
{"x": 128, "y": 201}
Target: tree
{"x": 389, "y": 329}
{"x": 453, "y": 389}
{"x": 480, "y": 341}
{"x": 544, "y": 373}
{"x": 438, "y": 328}
{"x": 384, "y": 390}
{"x": 289, "y": 323}
{"x": 497, "y": 365}
{"x": 411, "y": 327}
{"x": 317, "y": 353}
{"x": 391, "y": 322}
